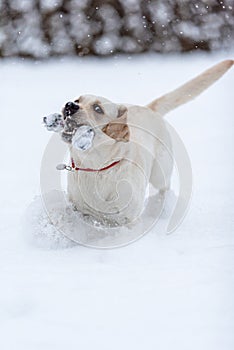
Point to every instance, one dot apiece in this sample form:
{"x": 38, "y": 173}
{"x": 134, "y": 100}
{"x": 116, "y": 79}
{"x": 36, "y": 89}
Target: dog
{"x": 117, "y": 150}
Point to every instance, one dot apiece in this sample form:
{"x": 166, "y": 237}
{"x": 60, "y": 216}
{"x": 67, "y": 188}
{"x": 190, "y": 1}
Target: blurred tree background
{"x": 45, "y": 28}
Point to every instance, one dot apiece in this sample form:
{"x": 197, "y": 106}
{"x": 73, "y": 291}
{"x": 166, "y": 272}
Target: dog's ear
{"x": 118, "y": 129}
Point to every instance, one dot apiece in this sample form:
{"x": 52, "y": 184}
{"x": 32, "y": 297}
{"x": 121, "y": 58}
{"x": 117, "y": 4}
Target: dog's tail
{"x": 189, "y": 90}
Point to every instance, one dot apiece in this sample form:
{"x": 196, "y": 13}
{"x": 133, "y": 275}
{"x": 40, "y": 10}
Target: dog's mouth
{"x": 75, "y": 131}
{"x": 69, "y": 130}
{"x": 79, "y": 134}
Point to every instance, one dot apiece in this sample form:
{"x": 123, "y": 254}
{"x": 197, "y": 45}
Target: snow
{"x": 83, "y": 138}
{"x": 54, "y": 122}
{"x": 161, "y": 292}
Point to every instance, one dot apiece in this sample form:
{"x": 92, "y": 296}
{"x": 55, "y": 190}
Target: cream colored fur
{"x": 116, "y": 196}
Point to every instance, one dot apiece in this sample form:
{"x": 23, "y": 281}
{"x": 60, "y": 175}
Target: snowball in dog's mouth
{"x": 83, "y": 138}
{"x": 54, "y": 122}
{"x": 80, "y": 136}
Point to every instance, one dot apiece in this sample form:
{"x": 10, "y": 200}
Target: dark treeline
{"x": 45, "y": 28}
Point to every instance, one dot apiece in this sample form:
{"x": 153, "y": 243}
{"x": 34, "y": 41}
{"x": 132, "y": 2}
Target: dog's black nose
{"x": 71, "y": 108}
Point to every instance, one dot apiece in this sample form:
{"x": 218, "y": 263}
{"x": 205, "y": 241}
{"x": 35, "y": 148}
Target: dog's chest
{"x": 96, "y": 190}
{"x": 114, "y": 192}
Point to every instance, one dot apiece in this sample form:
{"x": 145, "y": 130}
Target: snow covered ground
{"x": 162, "y": 292}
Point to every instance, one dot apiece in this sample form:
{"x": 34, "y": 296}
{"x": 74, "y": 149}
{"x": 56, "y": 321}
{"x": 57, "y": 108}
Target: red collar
{"x": 73, "y": 166}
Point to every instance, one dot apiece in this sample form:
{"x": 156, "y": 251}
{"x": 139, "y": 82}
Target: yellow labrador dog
{"x": 117, "y": 149}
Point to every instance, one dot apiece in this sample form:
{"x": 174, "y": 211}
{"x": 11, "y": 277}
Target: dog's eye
{"x": 98, "y": 109}
{"x": 77, "y": 101}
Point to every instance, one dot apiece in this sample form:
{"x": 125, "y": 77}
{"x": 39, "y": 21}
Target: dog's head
{"x": 102, "y": 115}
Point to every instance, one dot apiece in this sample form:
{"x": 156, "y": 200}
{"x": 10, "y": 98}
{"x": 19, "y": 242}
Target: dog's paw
{"x": 54, "y": 122}
{"x": 83, "y": 138}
